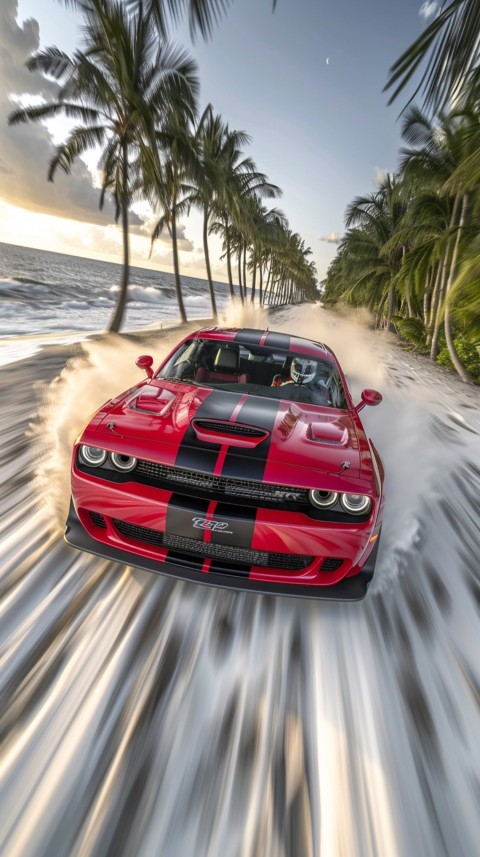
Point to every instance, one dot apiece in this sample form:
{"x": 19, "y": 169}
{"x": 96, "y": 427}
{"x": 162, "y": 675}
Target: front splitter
{"x": 349, "y": 589}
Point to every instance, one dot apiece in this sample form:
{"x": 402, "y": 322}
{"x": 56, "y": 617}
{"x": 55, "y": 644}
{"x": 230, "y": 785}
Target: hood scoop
{"x": 224, "y": 432}
{"x": 153, "y": 400}
{"x": 330, "y": 434}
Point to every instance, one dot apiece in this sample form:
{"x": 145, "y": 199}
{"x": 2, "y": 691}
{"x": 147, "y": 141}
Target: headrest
{"x": 227, "y": 359}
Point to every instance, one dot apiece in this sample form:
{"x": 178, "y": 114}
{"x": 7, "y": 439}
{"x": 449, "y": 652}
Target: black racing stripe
{"x": 278, "y": 340}
{"x": 241, "y": 524}
{"x": 251, "y": 463}
{"x": 181, "y": 513}
{"x": 248, "y": 336}
{"x": 219, "y": 566}
{"x": 195, "y": 454}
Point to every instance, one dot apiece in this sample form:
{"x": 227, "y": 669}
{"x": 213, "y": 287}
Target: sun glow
{"x": 61, "y": 235}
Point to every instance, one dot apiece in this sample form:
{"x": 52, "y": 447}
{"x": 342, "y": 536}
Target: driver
{"x": 302, "y": 371}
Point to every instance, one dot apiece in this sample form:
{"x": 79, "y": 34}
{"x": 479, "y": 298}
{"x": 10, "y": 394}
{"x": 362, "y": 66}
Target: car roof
{"x": 269, "y": 338}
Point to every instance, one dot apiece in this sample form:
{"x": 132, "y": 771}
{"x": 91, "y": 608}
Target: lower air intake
{"x": 331, "y": 563}
{"x": 208, "y": 550}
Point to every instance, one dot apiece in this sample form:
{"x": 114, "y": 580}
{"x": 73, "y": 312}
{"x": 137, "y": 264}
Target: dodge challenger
{"x": 240, "y": 462}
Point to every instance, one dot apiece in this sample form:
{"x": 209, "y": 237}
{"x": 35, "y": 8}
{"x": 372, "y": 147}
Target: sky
{"x": 304, "y": 82}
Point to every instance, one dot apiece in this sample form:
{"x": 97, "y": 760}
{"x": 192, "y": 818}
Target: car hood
{"x": 257, "y": 437}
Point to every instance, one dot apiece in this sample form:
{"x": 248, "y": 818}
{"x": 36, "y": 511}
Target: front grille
{"x": 256, "y": 492}
{"x": 208, "y": 550}
{"x": 98, "y": 519}
{"x": 230, "y": 428}
{"x": 240, "y": 491}
{"x": 331, "y": 563}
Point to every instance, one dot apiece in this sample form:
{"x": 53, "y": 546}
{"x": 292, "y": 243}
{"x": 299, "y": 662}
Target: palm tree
{"x": 119, "y": 87}
{"x": 378, "y": 216}
{"x": 260, "y": 229}
{"x": 448, "y": 48}
{"x": 171, "y": 190}
{"x": 215, "y": 142}
{"x": 464, "y": 297}
{"x": 292, "y": 276}
{"x": 241, "y": 182}
{"x": 418, "y": 246}
{"x": 440, "y": 150}
{"x": 203, "y": 15}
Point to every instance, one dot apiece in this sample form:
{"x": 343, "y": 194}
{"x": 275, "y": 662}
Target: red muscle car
{"x": 241, "y": 462}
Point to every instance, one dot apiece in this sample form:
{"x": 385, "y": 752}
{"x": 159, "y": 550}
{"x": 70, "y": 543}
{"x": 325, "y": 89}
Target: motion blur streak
{"x": 145, "y": 717}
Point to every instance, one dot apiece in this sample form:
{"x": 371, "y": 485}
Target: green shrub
{"x": 413, "y": 330}
{"x": 468, "y": 352}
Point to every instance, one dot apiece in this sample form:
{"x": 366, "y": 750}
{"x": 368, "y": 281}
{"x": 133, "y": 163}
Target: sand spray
{"x": 398, "y": 427}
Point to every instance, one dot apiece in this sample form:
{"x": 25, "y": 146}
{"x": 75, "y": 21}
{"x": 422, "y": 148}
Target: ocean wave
{"x": 83, "y": 292}
{"x": 141, "y": 294}
{"x": 197, "y": 299}
{"x": 102, "y": 302}
{"x": 77, "y": 305}
{"x": 28, "y": 281}
{"x": 12, "y": 309}
{"x": 15, "y": 282}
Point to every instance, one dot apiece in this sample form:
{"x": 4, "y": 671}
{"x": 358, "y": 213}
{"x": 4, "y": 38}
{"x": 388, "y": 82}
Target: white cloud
{"x": 332, "y": 238}
{"x": 27, "y": 149}
{"x": 379, "y": 176}
{"x": 428, "y": 9}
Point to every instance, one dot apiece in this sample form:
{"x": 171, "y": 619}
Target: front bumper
{"x": 348, "y": 589}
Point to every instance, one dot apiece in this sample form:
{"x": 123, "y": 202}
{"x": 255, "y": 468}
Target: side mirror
{"x": 369, "y": 397}
{"x": 145, "y": 362}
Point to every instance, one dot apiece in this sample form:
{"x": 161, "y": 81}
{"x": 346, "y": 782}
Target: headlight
{"x": 123, "y": 462}
{"x": 93, "y": 456}
{"x": 355, "y": 504}
{"x": 323, "y": 499}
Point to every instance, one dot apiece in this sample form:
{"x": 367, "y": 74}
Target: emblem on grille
{"x": 213, "y": 526}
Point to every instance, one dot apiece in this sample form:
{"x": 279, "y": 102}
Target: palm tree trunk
{"x": 117, "y": 318}
{"x": 464, "y": 375}
{"x": 432, "y": 313}
{"x": 229, "y": 261}
{"x": 176, "y": 267}
{"x": 207, "y": 263}
{"x": 268, "y": 287}
{"x": 427, "y": 297}
{"x": 245, "y": 269}
{"x": 239, "y": 261}
{"x": 443, "y": 281}
{"x": 260, "y": 284}
{"x": 379, "y": 315}
{"x": 279, "y": 290}
{"x": 408, "y": 296}
{"x": 254, "y": 279}
{"x": 391, "y": 305}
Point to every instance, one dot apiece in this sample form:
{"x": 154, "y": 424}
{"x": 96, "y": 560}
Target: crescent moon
{"x": 327, "y": 60}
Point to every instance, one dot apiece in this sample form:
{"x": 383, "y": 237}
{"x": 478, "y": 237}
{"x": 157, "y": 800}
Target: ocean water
{"x": 48, "y": 293}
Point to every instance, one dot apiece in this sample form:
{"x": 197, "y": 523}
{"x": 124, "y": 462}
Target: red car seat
{"x": 226, "y": 367}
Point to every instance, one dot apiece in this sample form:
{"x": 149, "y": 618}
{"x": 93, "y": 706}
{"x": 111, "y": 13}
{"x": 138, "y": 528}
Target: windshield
{"x": 259, "y": 370}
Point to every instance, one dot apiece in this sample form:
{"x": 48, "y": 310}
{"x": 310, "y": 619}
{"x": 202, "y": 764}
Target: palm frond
{"x": 34, "y": 114}
{"x": 448, "y": 48}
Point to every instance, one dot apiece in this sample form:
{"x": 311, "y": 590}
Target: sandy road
{"x": 144, "y": 717}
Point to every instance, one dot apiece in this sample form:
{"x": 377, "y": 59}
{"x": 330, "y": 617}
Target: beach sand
{"x": 144, "y": 716}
